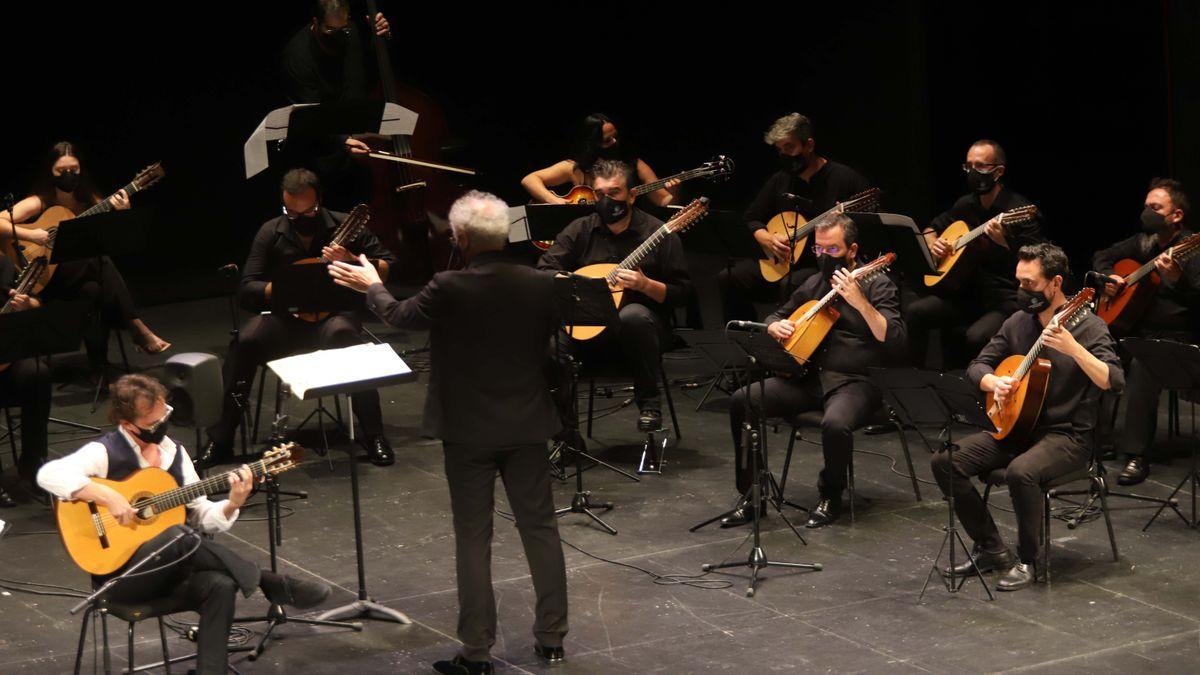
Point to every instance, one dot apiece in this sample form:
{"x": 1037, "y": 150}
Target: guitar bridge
{"x": 98, "y": 523}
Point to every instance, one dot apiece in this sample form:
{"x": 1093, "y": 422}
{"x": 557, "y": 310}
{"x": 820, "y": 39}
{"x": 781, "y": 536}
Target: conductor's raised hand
{"x": 359, "y": 277}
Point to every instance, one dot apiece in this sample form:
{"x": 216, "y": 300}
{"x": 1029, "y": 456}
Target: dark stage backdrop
{"x": 1078, "y": 94}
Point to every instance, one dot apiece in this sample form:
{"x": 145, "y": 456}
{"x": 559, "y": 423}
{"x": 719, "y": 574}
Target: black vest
{"x": 123, "y": 460}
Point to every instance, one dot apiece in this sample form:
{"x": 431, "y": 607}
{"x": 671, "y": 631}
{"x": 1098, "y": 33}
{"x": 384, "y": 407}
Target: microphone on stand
{"x": 752, "y": 326}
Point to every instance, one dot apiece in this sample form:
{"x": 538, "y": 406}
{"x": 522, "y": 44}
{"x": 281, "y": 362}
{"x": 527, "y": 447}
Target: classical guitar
{"x": 51, "y": 217}
{"x": 1124, "y": 309}
{"x": 26, "y": 282}
{"x": 719, "y": 168}
{"x": 814, "y": 319}
{"x": 350, "y": 228}
{"x": 1017, "y": 416}
{"x": 793, "y": 226}
{"x": 960, "y": 235}
{"x": 608, "y": 271}
{"x": 100, "y": 545}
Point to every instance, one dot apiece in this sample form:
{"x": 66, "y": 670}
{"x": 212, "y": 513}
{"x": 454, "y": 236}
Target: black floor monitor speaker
{"x": 194, "y": 389}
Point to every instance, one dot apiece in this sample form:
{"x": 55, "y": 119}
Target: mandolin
{"x": 350, "y": 228}
{"x": 1124, "y": 309}
{"x": 791, "y": 224}
{"x": 51, "y": 217}
{"x": 720, "y": 167}
{"x": 1018, "y": 415}
{"x": 814, "y": 319}
{"x": 608, "y": 271}
{"x": 100, "y": 545}
{"x": 959, "y": 235}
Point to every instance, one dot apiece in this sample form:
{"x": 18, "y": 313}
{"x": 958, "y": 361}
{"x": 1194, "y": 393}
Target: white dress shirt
{"x": 65, "y": 476}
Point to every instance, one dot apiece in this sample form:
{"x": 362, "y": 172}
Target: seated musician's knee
{"x": 635, "y": 315}
{"x": 1022, "y": 473}
{"x": 833, "y": 424}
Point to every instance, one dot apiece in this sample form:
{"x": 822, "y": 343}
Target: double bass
{"x": 410, "y": 202}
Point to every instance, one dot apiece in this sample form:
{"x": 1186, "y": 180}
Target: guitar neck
{"x": 660, "y": 183}
{"x": 211, "y": 485}
{"x": 1180, "y": 252}
{"x": 104, "y": 206}
{"x": 639, "y": 254}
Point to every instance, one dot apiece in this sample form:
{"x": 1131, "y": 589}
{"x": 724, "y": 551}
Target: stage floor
{"x": 860, "y": 614}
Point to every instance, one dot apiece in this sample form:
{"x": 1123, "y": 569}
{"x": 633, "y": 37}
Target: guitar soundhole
{"x": 141, "y": 505}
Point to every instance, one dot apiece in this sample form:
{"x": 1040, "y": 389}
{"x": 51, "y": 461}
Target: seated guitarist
{"x": 819, "y": 182}
{"x": 1083, "y": 362}
{"x": 205, "y": 574}
{"x": 1169, "y": 314}
{"x": 303, "y": 230}
{"x": 869, "y": 333}
{"x": 651, "y": 292}
{"x": 988, "y": 294}
{"x": 25, "y": 383}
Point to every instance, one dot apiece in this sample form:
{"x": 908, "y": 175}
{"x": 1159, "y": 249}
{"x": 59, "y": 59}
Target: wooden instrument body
{"x": 1123, "y": 310}
{"x": 77, "y": 522}
{"x": 49, "y": 220}
{"x": 597, "y": 271}
{"x": 784, "y": 223}
{"x": 580, "y": 194}
{"x": 951, "y": 273}
{"x": 1016, "y": 418}
{"x": 811, "y": 332}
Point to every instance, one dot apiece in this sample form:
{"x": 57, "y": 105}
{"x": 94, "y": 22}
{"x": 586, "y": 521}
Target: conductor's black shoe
{"x": 650, "y": 419}
{"x": 742, "y": 515}
{"x": 550, "y": 655}
{"x": 379, "y": 451}
{"x": 281, "y": 589}
{"x": 984, "y": 561}
{"x": 826, "y": 511}
{"x": 6, "y": 500}
{"x": 211, "y": 454}
{"x": 1017, "y": 577}
{"x": 461, "y": 666}
{"x": 1135, "y": 471}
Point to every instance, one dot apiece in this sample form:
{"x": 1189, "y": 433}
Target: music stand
{"x": 764, "y": 354}
{"x": 900, "y": 235}
{"x": 543, "y": 222}
{"x": 1175, "y": 366}
{"x": 54, "y": 328}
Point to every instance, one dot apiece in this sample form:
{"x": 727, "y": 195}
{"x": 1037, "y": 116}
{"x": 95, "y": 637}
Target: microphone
{"x": 804, "y": 201}
{"x": 747, "y": 325}
{"x": 1098, "y": 279}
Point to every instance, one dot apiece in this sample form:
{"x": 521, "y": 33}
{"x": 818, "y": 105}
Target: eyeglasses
{"x": 293, "y": 215}
{"x": 163, "y": 420}
{"x": 835, "y": 250}
{"x": 980, "y": 167}
{"x": 344, "y": 30}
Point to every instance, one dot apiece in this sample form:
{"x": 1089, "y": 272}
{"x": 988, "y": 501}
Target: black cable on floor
{"x": 893, "y": 466}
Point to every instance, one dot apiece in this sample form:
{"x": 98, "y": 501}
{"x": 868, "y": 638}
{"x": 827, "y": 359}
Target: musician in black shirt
{"x": 1169, "y": 314}
{"x": 820, "y": 183}
{"x": 968, "y": 315}
{"x": 1083, "y": 362}
{"x": 25, "y": 383}
{"x": 304, "y": 230}
{"x": 659, "y": 284}
{"x": 869, "y": 333}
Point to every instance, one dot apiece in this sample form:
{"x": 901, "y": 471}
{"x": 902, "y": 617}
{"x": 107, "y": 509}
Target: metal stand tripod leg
{"x": 952, "y": 539}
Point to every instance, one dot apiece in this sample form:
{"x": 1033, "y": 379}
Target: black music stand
{"x": 900, "y": 235}
{"x": 764, "y": 354}
{"x": 1176, "y": 366}
{"x": 582, "y": 301}
{"x": 54, "y": 328}
{"x": 932, "y": 398}
{"x": 543, "y": 222}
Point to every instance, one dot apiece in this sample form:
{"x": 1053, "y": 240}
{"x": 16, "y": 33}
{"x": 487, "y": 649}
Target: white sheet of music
{"x": 341, "y": 371}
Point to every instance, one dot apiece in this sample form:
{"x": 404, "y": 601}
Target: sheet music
{"x": 518, "y": 224}
{"x": 341, "y": 370}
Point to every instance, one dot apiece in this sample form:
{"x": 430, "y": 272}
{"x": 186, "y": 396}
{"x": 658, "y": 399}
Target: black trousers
{"x": 26, "y": 383}
{"x": 846, "y": 408}
{"x": 637, "y": 340}
{"x": 471, "y": 473}
{"x": 267, "y": 337}
{"x": 963, "y": 329}
{"x": 99, "y": 281}
{"x": 1029, "y": 466}
{"x": 742, "y": 284}
{"x": 207, "y": 580}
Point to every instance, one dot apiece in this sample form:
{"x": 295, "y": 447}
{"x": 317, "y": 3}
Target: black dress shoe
{"x": 460, "y": 666}
{"x": 826, "y": 511}
{"x": 742, "y": 515}
{"x": 212, "y": 454}
{"x": 281, "y": 589}
{"x": 1135, "y": 471}
{"x": 1017, "y": 577}
{"x": 984, "y": 561}
{"x": 6, "y": 500}
{"x": 550, "y": 655}
{"x": 650, "y": 420}
{"x": 379, "y": 451}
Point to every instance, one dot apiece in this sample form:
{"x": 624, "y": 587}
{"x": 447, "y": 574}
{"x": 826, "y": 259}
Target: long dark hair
{"x": 591, "y": 136}
{"x": 43, "y": 182}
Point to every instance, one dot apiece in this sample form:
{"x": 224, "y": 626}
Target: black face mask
{"x": 67, "y": 181}
{"x": 1033, "y": 302}
{"x": 151, "y": 437}
{"x": 828, "y": 264}
{"x": 795, "y": 165}
{"x": 307, "y": 226}
{"x": 1153, "y": 222}
{"x": 611, "y": 152}
{"x": 611, "y": 210}
{"x": 980, "y": 183}
{"x": 335, "y": 41}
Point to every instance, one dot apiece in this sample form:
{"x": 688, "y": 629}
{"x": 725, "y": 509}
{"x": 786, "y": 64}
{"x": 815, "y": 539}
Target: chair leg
{"x": 591, "y": 402}
{"x": 1046, "y": 537}
{"x": 129, "y": 650}
{"x": 787, "y": 462}
{"x": 262, "y": 381}
{"x": 1102, "y": 486}
{"x": 162, "y": 637}
{"x": 121, "y": 348}
{"x": 104, "y": 635}
{"x": 912, "y": 474}
{"x": 87, "y": 616}
{"x": 666, "y": 387}
{"x": 337, "y": 410}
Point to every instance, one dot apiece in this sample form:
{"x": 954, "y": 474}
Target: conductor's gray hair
{"x": 484, "y": 217}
